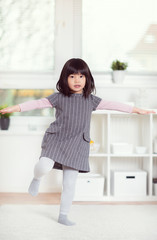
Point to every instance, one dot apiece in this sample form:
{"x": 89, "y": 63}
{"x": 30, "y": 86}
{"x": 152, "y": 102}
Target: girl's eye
{"x": 72, "y": 76}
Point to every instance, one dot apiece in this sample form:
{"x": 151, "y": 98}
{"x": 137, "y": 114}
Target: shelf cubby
{"x": 109, "y": 127}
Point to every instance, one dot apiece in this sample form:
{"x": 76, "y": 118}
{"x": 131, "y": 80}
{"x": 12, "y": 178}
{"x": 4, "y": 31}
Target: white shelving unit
{"x": 112, "y": 126}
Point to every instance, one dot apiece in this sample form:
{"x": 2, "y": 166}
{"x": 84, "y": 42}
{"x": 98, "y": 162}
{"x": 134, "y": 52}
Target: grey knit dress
{"x": 66, "y": 141}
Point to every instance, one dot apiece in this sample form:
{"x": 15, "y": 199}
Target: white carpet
{"x": 93, "y": 222}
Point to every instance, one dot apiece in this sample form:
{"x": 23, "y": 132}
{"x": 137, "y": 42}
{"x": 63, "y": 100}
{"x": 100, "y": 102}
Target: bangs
{"x": 76, "y": 67}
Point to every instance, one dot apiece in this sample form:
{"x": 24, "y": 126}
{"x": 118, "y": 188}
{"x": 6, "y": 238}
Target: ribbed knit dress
{"x": 66, "y": 141}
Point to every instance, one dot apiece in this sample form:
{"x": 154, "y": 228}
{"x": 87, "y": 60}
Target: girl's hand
{"x": 142, "y": 111}
{"x": 15, "y": 108}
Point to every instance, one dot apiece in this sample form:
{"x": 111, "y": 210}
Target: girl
{"x": 65, "y": 143}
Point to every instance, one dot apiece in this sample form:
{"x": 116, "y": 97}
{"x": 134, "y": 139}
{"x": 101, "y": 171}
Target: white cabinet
{"x": 108, "y": 127}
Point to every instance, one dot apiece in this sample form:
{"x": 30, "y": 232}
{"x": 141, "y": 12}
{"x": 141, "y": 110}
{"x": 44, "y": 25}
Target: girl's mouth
{"x": 77, "y": 86}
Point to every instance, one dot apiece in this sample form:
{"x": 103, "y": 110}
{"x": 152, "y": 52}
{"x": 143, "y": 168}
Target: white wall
{"x": 20, "y": 150}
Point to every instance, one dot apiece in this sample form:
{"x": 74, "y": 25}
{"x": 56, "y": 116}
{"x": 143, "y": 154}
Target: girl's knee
{"x": 43, "y": 166}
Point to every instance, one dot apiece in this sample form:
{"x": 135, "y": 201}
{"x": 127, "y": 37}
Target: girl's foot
{"x": 64, "y": 220}
{"x": 34, "y": 187}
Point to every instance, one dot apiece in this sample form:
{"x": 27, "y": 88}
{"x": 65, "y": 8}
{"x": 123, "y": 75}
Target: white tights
{"x": 43, "y": 166}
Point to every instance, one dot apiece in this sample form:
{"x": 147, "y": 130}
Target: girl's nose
{"x": 76, "y": 78}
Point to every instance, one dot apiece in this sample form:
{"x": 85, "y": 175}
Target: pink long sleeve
{"x": 103, "y": 105}
{"x": 35, "y": 104}
{"x": 117, "y": 106}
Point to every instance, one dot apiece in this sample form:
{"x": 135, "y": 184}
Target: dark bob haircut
{"x": 74, "y": 66}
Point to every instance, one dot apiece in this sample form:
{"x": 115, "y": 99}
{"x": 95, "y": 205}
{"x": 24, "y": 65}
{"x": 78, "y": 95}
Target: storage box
{"x": 89, "y": 185}
{"x": 121, "y": 148}
{"x": 129, "y": 183}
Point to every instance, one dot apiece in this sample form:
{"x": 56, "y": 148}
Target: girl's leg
{"x": 43, "y": 166}
{"x": 69, "y": 182}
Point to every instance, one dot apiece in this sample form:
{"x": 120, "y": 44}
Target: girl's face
{"x": 76, "y": 82}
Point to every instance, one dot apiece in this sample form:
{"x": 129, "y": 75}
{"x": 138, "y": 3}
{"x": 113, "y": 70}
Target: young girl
{"x": 65, "y": 143}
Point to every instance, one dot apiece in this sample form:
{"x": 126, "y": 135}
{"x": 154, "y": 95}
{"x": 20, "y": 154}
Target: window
{"x": 37, "y": 37}
{"x": 27, "y": 35}
{"x": 11, "y": 97}
{"x": 123, "y": 29}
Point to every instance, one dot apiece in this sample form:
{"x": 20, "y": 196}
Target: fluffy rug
{"x": 93, "y": 222}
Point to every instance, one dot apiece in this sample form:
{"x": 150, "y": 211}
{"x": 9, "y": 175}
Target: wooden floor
{"x": 52, "y": 199}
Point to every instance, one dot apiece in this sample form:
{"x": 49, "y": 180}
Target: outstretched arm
{"x": 15, "y": 108}
{"x": 142, "y": 111}
{"x": 27, "y": 106}
{"x": 117, "y": 106}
